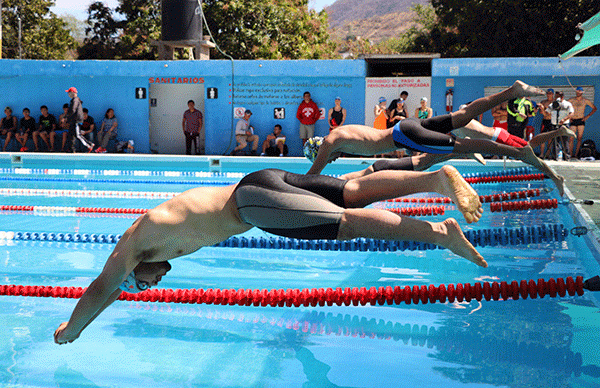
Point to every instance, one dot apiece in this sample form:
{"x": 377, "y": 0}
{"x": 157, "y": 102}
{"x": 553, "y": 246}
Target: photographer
{"x": 561, "y": 112}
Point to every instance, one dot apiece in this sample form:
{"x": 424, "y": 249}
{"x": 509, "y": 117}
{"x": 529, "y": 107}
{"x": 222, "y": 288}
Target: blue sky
{"x": 78, "y": 8}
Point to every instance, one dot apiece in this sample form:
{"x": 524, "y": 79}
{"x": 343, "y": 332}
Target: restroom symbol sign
{"x": 212, "y": 93}
{"x": 140, "y": 93}
{"x": 279, "y": 113}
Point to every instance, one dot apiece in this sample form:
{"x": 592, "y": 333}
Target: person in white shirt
{"x": 244, "y": 133}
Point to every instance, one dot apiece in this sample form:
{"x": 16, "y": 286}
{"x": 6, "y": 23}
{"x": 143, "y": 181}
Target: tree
{"x": 278, "y": 29}
{"x": 43, "y": 34}
{"x": 101, "y": 40}
{"x": 503, "y": 28}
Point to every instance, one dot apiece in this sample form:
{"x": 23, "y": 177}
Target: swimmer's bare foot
{"x": 521, "y": 89}
{"x": 454, "y": 239}
{"x": 453, "y": 185}
{"x": 564, "y": 131}
{"x": 477, "y": 157}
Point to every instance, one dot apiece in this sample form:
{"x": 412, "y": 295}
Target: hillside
{"x": 370, "y": 19}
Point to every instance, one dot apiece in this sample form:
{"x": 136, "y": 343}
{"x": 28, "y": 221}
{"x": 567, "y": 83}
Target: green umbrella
{"x": 591, "y": 37}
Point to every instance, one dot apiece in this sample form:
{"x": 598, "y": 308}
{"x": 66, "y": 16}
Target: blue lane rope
{"x": 483, "y": 237}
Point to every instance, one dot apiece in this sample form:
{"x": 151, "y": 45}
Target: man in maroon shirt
{"x": 192, "y": 124}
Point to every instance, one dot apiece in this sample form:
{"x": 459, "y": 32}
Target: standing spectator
{"x": 308, "y": 113}
{"x": 579, "y": 118}
{"x": 88, "y": 126}
{"x": 107, "y": 131}
{"x": 74, "y": 121}
{"x": 275, "y": 143}
{"x": 403, "y": 97}
{"x": 380, "y": 112}
{"x": 500, "y": 115}
{"x": 561, "y": 112}
{"x": 63, "y": 127}
{"x": 244, "y": 133}
{"x": 192, "y": 125}
{"x": 397, "y": 114}
{"x": 336, "y": 117}
{"x": 519, "y": 111}
{"x": 546, "y": 118}
{"x": 423, "y": 112}
{"x": 26, "y": 128}
{"x": 46, "y": 128}
{"x": 8, "y": 127}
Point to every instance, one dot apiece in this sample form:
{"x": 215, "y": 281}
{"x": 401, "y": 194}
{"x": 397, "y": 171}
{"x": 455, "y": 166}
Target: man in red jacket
{"x": 308, "y": 113}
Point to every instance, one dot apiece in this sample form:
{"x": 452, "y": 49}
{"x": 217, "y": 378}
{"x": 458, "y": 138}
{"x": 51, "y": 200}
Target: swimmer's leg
{"x": 462, "y": 117}
{"x": 545, "y": 137}
{"x": 381, "y": 224}
{"x": 391, "y": 184}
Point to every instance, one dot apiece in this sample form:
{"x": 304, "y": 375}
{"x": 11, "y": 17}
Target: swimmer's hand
{"x": 63, "y": 336}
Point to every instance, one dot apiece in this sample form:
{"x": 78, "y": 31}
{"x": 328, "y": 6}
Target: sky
{"x": 78, "y": 8}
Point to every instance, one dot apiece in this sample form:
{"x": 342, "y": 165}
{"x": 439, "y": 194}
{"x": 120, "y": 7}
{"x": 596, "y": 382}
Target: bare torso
{"x": 194, "y": 219}
{"x": 579, "y": 104}
{"x": 363, "y": 140}
{"x": 546, "y": 112}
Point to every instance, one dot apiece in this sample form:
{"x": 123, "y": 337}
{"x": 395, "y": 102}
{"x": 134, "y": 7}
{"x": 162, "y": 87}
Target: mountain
{"x": 375, "y": 20}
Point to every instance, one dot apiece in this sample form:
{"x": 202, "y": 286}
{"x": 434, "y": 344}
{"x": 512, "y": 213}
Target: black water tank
{"x": 180, "y": 21}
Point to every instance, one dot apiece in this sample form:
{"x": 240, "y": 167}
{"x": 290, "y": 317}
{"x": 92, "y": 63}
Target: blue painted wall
{"x": 264, "y": 85}
{"x": 472, "y": 75}
{"x": 259, "y": 85}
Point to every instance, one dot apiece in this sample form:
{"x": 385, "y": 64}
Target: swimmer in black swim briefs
{"x": 308, "y": 207}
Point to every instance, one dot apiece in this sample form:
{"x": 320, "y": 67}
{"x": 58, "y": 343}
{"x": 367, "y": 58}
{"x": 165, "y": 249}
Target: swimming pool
{"x": 547, "y": 342}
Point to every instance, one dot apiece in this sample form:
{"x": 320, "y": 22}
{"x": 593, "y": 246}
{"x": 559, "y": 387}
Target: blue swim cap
{"x": 132, "y": 285}
{"x": 382, "y": 99}
{"x": 311, "y": 147}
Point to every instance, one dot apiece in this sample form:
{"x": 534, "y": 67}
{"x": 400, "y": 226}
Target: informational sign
{"x": 238, "y": 112}
{"x": 390, "y": 88}
{"x": 279, "y": 113}
{"x": 140, "y": 93}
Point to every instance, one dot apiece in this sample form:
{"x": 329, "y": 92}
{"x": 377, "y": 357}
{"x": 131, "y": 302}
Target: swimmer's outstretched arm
{"x": 329, "y": 146}
{"x": 99, "y": 295}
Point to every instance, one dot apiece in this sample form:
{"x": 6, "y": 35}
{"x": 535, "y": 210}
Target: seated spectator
{"x": 275, "y": 143}
{"x": 46, "y": 128}
{"x": 244, "y": 133}
{"x": 26, "y": 129}
{"x": 8, "y": 127}
{"x": 62, "y": 130}
{"x": 85, "y": 133}
{"x": 107, "y": 131}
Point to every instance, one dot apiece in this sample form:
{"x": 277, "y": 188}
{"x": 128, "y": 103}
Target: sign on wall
{"x": 390, "y": 88}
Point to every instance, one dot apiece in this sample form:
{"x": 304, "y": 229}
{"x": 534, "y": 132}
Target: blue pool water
{"x": 535, "y": 343}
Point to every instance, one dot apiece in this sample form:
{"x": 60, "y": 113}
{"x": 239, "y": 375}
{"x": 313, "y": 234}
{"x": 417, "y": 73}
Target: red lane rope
{"x": 329, "y": 296}
{"x": 508, "y": 178}
{"x": 524, "y": 205}
{"x": 57, "y": 209}
{"x": 483, "y": 198}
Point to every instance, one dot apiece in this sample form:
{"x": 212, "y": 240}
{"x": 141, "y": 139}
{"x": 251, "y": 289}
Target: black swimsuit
{"x": 292, "y": 205}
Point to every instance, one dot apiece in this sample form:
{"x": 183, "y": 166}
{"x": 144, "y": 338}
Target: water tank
{"x": 180, "y": 20}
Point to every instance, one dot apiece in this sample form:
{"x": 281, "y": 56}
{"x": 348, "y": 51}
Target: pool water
{"x": 548, "y": 342}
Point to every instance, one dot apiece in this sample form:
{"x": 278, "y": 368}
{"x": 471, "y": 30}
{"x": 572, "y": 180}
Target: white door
{"x": 167, "y": 104}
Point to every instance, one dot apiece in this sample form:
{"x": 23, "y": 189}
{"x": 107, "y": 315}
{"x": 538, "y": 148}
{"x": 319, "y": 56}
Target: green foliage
{"x": 504, "y": 28}
{"x": 278, "y": 29}
{"x": 43, "y": 34}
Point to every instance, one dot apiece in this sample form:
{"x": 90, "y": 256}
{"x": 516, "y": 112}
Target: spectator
{"x": 244, "y": 133}
{"x": 546, "y": 118}
{"x": 579, "y": 118}
{"x": 499, "y": 113}
{"x": 308, "y": 113}
{"x": 8, "y": 127}
{"x": 397, "y": 114}
{"x": 88, "y": 126}
{"x": 107, "y": 131}
{"x": 46, "y": 128}
{"x": 275, "y": 143}
{"x": 26, "y": 128}
{"x": 403, "y": 97}
{"x": 380, "y": 113}
{"x": 63, "y": 127}
{"x": 74, "y": 121}
{"x": 423, "y": 112}
{"x": 561, "y": 112}
{"x": 192, "y": 125}
{"x": 336, "y": 117}
{"x": 519, "y": 111}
